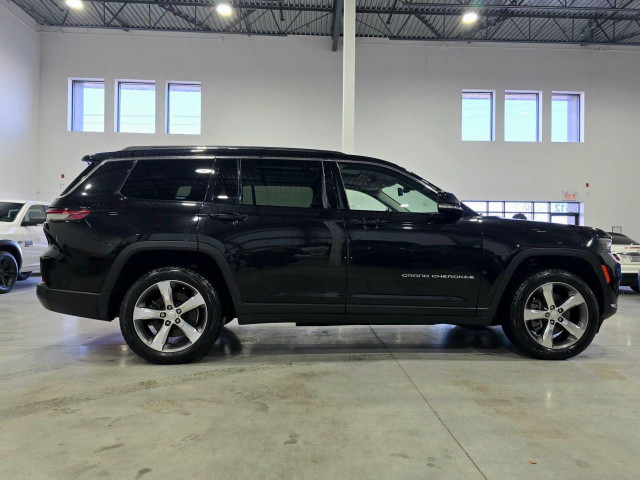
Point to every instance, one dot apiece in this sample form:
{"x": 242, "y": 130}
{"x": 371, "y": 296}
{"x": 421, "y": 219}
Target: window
{"x": 181, "y": 180}
{"x": 86, "y": 106}
{"x": 136, "y": 107}
{"x": 477, "y": 116}
{"x": 522, "y": 117}
{"x": 379, "y": 189}
{"x": 281, "y": 183}
{"x": 225, "y": 187}
{"x": 566, "y": 117}
{"x": 35, "y": 214}
{"x": 556, "y": 212}
{"x": 183, "y": 108}
{"x": 9, "y": 211}
{"x": 106, "y": 179}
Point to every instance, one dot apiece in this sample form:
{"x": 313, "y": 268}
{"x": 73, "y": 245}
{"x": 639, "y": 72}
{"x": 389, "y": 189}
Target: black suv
{"x": 178, "y": 241}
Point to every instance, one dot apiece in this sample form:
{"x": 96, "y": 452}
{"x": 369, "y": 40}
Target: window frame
{"x": 539, "y": 98}
{"x": 580, "y": 114}
{"x": 71, "y": 102}
{"x": 344, "y": 201}
{"x": 167, "y": 123}
{"x": 492, "y": 119}
{"x": 117, "y": 100}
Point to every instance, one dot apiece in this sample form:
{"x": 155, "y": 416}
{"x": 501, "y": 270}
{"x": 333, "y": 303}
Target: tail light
{"x": 67, "y": 214}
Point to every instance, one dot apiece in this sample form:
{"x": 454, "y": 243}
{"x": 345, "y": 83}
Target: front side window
{"x": 136, "y": 107}
{"x": 282, "y": 183}
{"x": 86, "y": 106}
{"x": 379, "y": 189}
{"x": 522, "y": 117}
{"x": 178, "y": 180}
{"x": 9, "y": 211}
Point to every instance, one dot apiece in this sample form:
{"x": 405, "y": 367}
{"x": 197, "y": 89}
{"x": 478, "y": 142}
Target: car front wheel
{"x": 553, "y": 315}
{"x": 8, "y": 272}
{"x": 171, "y": 315}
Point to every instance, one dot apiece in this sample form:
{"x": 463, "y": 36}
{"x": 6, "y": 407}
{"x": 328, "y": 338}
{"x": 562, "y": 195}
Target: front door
{"x": 280, "y": 234}
{"x": 35, "y": 242}
{"x": 404, "y": 256}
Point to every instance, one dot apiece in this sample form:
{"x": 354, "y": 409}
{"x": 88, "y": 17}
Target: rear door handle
{"x": 368, "y": 222}
{"x": 228, "y": 217}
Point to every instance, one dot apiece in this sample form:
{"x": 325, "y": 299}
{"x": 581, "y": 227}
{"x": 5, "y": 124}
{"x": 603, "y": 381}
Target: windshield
{"x": 9, "y": 211}
{"x": 619, "y": 239}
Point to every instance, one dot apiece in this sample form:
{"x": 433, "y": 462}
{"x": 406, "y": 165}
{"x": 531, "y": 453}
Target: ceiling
{"x": 533, "y": 21}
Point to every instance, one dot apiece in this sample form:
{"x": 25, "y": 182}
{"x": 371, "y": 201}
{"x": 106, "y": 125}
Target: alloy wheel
{"x": 556, "y": 315}
{"x": 8, "y": 273}
{"x": 170, "y": 316}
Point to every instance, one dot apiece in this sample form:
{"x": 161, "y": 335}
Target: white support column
{"x": 348, "y": 76}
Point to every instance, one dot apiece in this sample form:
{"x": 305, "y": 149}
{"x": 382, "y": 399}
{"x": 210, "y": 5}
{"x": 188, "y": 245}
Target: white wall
{"x": 287, "y": 92}
{"x": 19, "y": 90}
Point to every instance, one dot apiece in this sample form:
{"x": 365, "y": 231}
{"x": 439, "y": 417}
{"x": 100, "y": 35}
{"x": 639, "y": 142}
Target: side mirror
{"x": 449, "y": 205}
{"x": 27, "y": 223}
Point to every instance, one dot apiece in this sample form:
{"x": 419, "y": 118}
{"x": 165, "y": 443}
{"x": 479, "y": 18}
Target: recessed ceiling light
{"x": 469, "y": 18}
{"x": 75, "y": 4}
{"x": 224, "y": 9}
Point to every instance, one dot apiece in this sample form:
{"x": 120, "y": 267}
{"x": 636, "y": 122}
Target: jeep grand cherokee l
{"x": 178, "y": 241}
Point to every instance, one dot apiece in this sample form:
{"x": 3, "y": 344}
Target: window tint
{"x": 373, "y": 188}
{"x": 35, "y": 213}
{"x": 282, "y": 183}
{"x": 106, "y": 179}
{"x": 225, "y": 187}
{"x": 84, "y": 173}
{"x": 182, "y": 180}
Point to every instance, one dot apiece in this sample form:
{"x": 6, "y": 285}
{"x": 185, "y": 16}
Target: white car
{"x": 22, "y": 240}
{"x": 627, "y": 252}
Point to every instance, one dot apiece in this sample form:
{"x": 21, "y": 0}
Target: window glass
{"x": 521, "y": 117}
{"x": 106, "y": 179}
{"x": 477, "y": 116}
{"x": 225, "y": 187}
{"x": 136, "y": 107}
{"x": 565, "y": 117}
{"x": 9, "y": 211}
{"x": 183, "y": 108}
{"x": 181, "y": 180}
{"x": 35, "y": 213}
{"x": 87, "y": 106}
{"x": 282, "y": 183}
{"x": 373, "y": 188}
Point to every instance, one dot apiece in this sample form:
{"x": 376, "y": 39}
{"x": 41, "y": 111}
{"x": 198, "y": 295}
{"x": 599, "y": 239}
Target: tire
{"x": 229, "y": 319}
{"x": 635, "y": 288}
{"x": 23, "y": 276}
{"x": 162, "y": 333}
{"x": 8, "y": 272}
{"x": 552, "y": 332}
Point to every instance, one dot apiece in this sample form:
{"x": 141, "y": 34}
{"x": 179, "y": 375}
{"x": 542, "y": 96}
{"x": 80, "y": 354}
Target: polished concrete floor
{"x": 280, "y": 402}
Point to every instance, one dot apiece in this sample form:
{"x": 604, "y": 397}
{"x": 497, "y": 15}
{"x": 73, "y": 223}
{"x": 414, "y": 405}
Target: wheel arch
{"x": 142, "y": 257}
{"x": 578, "y": 262}
{"x": 13, "y": 248}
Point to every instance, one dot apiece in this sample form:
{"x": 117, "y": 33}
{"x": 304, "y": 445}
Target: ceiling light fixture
{"x": 75, "y": 4}
{"x": 469, "y": 17}
{"x": 224, "y": 9}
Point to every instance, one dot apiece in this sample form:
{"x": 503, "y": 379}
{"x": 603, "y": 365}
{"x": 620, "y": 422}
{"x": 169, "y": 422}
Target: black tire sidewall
{"x": 7, "y": 255}
{"x": 517, "y": 331}
{"x": 209, "y": 335}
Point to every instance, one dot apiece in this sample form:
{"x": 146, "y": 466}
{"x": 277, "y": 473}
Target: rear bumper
{"x": 78, "y": 304}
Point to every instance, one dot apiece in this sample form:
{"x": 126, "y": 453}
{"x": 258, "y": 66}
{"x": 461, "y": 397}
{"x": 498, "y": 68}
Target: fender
{"x": 14, "y": 249}
{"x": 124, "y": 256}
{"x": 499, "y": 290}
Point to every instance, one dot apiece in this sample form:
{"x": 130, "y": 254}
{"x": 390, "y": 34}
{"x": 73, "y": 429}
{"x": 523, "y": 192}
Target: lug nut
{"x": 552, "y": 322}
{"x": 169, "y": 307}
{"x": 553, "y": 307}
{"x": 560, "y": 310}
{"x": 162, "y": 315}
{"x": 167, "y": 323}
{"x": 547, "y": 315}
{"x": 178, "y": 311}
{"x": 177, "y": 320}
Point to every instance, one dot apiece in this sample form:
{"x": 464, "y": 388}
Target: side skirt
{"x": 314, "y": 319}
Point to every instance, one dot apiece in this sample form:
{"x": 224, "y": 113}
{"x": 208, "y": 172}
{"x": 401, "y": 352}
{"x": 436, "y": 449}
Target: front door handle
{"x": 368, "y": 222}
{"x": 228, "y": 217}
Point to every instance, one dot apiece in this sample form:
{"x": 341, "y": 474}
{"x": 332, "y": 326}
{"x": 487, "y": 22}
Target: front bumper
{"x": 78, "y": 304}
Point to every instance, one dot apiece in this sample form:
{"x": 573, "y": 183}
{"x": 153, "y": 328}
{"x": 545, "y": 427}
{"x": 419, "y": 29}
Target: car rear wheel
{"x": 553, "y": 315}
{"x": 8, "y": 272}
{"x": 171, "y": 315}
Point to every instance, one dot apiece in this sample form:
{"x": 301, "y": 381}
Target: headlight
{"x": 606, "y": 243}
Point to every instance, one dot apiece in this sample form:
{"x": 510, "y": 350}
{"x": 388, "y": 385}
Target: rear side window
{"x": 180, "y": 180}
{"x": 84, "y": 173}
{"x": 281, "y": 183}
{"x": 105, "y": 180}
{"x": 225, "y": 185}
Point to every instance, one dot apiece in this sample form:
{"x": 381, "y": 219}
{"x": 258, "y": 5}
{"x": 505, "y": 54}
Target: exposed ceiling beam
{"x": 335, "y": 23}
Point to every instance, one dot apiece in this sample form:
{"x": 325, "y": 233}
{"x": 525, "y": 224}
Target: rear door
{"x": 404, "y": 256}
{"x": 280, "y": 233}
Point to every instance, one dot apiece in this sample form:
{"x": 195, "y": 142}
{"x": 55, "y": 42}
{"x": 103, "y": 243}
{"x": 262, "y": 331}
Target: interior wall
{"x": 19, "y": 90}
{"x": 287, "y": 92}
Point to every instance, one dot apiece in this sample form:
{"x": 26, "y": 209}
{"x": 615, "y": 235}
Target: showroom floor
{"x": 279, "y": 402}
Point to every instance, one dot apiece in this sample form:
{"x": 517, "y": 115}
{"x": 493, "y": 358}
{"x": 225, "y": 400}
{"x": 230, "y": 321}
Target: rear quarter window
{"x": 176, "y": 179}
{"x": 104, "y": 180}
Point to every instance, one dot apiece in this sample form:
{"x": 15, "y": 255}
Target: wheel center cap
{"x": 171, "y": 315}
{"x": 554, "y": 315}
